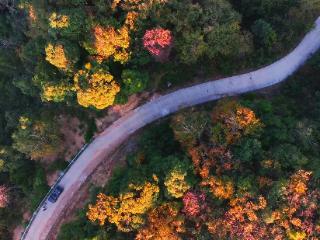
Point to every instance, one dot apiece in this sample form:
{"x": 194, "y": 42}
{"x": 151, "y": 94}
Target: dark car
{"x": 55, "y": 194}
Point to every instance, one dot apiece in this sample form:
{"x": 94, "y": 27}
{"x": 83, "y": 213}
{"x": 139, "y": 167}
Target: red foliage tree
{"x": 193, "y": 203}
{"x": 4, "y": 198}
{"x": 158, "y": 42}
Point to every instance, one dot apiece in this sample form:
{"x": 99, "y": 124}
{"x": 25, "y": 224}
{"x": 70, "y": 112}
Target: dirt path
{"x": 119, "y": 131}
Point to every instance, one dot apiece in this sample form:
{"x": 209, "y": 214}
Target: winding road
{"x": 120, "y": 130}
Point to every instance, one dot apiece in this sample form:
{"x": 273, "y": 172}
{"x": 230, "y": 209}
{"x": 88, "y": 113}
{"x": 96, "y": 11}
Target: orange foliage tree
{"x": 235, "y": 120}
{"x": 125, "y": 211}
{"x": 163, "y": 224}
{"x": 296, "y": 214}
{"x": 95, "y": 87}
{"x": 241, "y": 220}
{"x": 222, "y": 189}
{"x": 206, "y": 158}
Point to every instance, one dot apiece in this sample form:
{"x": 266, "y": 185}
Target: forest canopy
{"x": 67, "y": 59}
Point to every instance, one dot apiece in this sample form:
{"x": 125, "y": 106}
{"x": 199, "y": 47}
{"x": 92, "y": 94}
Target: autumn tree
{"x": 57, "y": 21}
{"x": 62, "y": 55}
{"x": 233, "y": 121}
{"x": 55, "y": 92}
{"x": 207, "y": 159}
{"x": 188, "y": 127}
{"x": 207, "y": 28}
{"x": 194, "y": 203}
{"x": 69, "y": 23}
{"x": 4, "y": 196}
{"x": 242, "y": 220}
{"x": 297, "y": 212}
{"x": 37, "y": 138}
{"x": 111, "y": 42}
{"x": 176, "y": 183}
{"x": 220, "y": 188}
{"x": 95, "y": 86}
{"x": 158, "y": 42}
{"x": 127, "y": 210}
{"x": 163, "y": 223}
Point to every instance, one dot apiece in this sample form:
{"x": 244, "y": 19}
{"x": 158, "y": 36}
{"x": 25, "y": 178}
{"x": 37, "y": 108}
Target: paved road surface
{"x": 117, "y": 133}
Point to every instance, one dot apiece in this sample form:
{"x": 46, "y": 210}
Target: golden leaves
{"x": 55, "y": 93}
{"x": 100, "y": 89}
{"x": 111, "y": 42}
{"x": 126, "y": 210}
{"x": 55, "y": 55}
{"x": 58, "y": 20}
{"x": 176, "y": 183}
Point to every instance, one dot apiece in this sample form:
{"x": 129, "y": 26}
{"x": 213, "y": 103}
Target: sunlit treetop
{"x": 55, "y": 54}
{"x": 176, "y": 183}
{"x": 220, "y": 188}
{"x": 58, "y": 20}
{"x": 111, "y": 42}
{"x": 54, "y": 92}
{"x": 131, "y": 20}
{"x": 158, "y": 42}
{"x": 95, "y": 87}
{"x": 126, "y": 210}
{"x": 236, "y": 120}
{"x": 194, "y": 203}
{"x": 163, "y": 223}
{"x": 24, "y": 122}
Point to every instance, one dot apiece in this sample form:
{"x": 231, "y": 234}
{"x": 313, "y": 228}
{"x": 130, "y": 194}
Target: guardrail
{"x": 51, "y": 189}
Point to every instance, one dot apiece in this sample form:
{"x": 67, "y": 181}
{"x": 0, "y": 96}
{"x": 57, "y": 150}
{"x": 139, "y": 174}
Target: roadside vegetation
{"x": 75, "y": 59}
{"x": 242, "y": 168}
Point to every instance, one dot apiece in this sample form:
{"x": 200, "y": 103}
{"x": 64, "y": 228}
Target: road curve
{"x": 120, "y": 130}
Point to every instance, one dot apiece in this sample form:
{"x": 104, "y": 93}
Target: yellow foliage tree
{"x": 54, "y": 93}
{"x": 95, "y": 87}
{"x": 292, "y": 235}
{"x": 58, "y": 20}
{"x": 111, "y": 42}
{"x": 125, "y": 211}
{"x": 176, "y": 183}
{"x": 55, "y": 54}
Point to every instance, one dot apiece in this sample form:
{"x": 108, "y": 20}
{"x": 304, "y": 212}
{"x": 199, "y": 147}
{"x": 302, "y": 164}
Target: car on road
{"x": 56, "y": 192}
